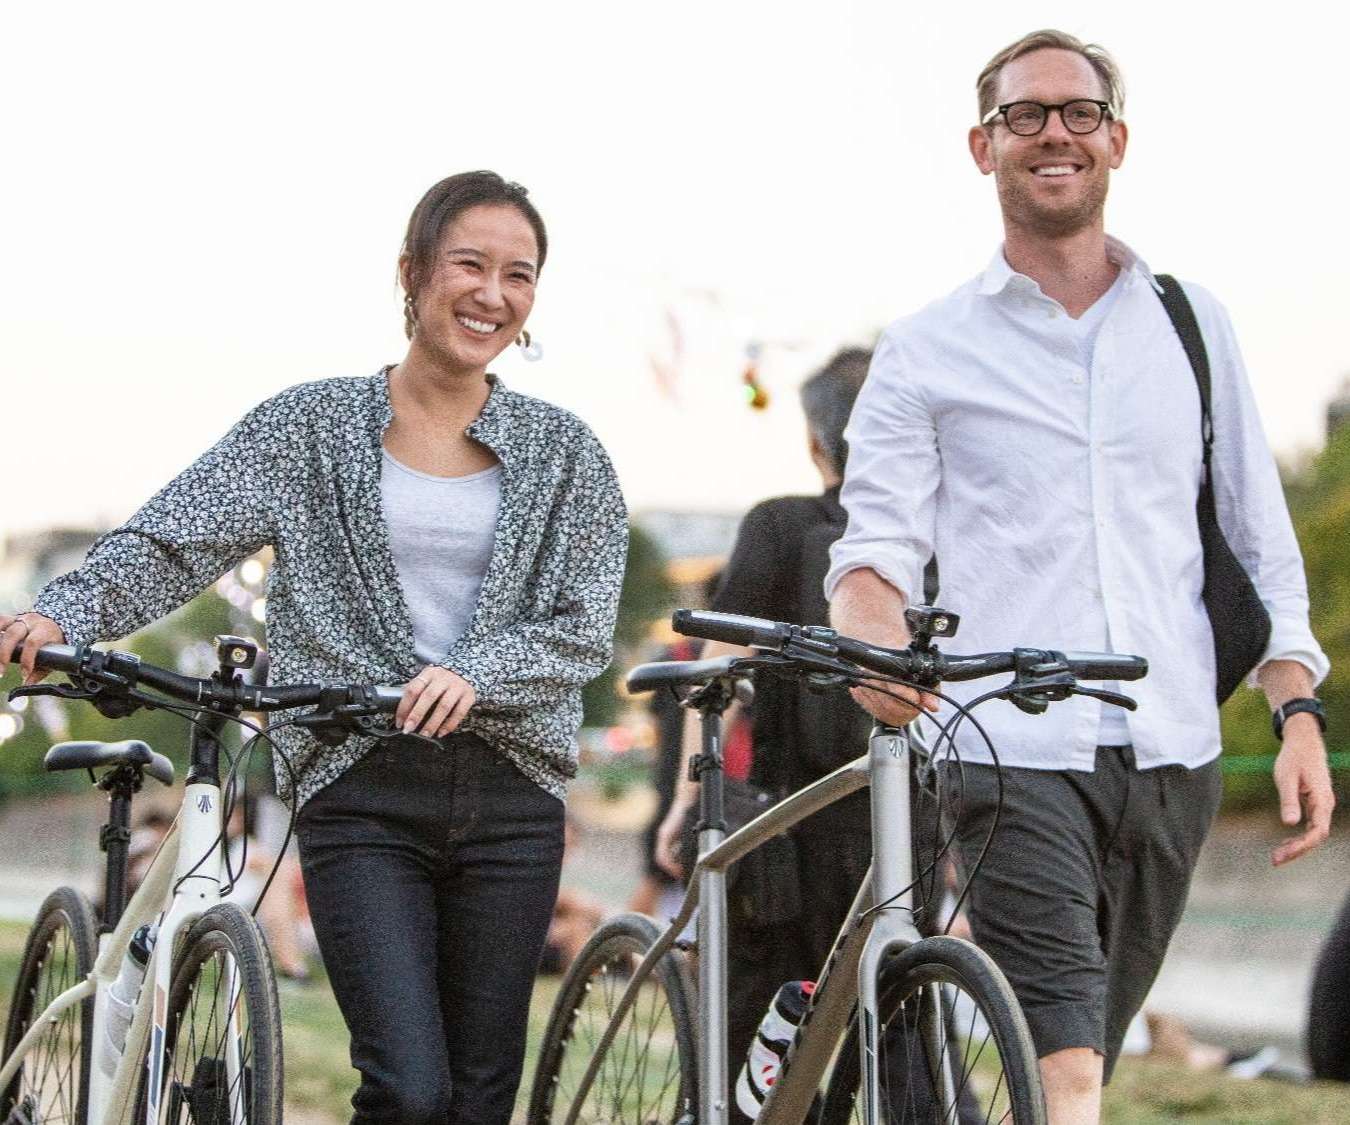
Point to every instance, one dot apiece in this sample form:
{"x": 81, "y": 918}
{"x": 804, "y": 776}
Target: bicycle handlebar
{"x": 924, "y": 665}
{"x": 125, "y": 669}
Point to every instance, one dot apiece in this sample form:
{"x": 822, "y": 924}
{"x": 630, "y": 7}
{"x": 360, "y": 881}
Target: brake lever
{"x": 61, "y": 691}
{"x": 108, "y": 704}
{"x": 1112, "y": 697}
{"x": 393, "y": 732}
{"x": 333, "y": 728}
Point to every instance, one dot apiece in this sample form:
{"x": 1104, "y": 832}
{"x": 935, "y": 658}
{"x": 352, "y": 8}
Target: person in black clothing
{"x": 777, "y": 571}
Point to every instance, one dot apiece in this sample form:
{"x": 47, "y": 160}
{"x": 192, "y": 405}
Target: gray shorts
{"x": 1083, "y": 886}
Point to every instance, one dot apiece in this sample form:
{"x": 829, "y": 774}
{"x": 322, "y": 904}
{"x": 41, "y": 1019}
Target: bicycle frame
{"x": 850, "y": 972}
{"x": 182, "y": 883}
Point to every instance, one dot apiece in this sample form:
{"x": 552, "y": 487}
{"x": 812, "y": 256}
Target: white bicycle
{"x": 166, "y": 1009}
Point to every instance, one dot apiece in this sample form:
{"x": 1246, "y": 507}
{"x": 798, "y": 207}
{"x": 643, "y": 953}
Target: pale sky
{"x": 203, "y": 206}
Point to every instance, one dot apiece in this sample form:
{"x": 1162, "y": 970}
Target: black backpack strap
{"x": 1183, "y": 320}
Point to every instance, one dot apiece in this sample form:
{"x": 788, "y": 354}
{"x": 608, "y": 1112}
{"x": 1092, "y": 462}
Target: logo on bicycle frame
{"x": 204, "y": 803}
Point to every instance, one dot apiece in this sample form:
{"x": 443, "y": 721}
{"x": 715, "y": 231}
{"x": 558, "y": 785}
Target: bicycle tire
{"x": 53, "y": 1082}
{"x": 650, "y": 1073}
{"x": 194, "y": 1083}
{"x": 1005, "y": 1090}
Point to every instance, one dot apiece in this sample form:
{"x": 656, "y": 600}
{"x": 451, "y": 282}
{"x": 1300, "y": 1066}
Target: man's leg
{"x": 1072, "y": 1079}
{"x": 1034, "y": 909}
{"x": 1146, "y": 876}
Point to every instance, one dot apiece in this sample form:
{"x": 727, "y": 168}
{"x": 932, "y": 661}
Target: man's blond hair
{"x": 1113, "y": 85}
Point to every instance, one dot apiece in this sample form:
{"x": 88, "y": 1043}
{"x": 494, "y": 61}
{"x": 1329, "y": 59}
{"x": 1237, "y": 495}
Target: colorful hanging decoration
{"x": 756, "y": 397}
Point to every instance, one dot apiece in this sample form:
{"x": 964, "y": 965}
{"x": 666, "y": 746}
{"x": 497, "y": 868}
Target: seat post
{"x": 120, "y": 783}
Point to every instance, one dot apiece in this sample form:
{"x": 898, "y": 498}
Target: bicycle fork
{"x": 889, "y": 762}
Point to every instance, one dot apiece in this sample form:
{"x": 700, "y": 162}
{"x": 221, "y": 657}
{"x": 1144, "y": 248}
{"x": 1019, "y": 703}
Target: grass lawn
{"x": 319, "y": 1079}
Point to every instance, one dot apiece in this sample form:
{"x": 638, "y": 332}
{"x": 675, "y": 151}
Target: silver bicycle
{"x": 900, "y": 1027}
{"x": 167, "y": 1011}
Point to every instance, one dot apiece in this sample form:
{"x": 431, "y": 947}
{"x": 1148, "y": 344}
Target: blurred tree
{"x": 647, "y": 594}
{"x": 1319, "y": 501}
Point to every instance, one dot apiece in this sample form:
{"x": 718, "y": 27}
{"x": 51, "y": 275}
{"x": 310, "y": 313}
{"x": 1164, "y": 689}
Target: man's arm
{"x": 1255, "y": 521}
{"x": 869, "y": 608}
{"x": 1301, "y": 775}
{"x": 890, "y": 494}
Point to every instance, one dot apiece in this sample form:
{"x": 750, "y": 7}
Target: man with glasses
{"x": 1040, "y": 431}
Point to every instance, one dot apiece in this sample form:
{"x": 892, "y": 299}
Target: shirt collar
{"x": 492, "y": 426}
{"x": 998, "y": 275}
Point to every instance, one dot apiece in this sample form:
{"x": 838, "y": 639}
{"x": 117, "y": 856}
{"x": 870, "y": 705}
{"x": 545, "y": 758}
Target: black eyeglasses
{"x": 1026, "y": 119}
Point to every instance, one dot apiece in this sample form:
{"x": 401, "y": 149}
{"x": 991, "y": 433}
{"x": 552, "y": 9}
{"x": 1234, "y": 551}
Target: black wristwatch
{"x": 1293, "y": 707}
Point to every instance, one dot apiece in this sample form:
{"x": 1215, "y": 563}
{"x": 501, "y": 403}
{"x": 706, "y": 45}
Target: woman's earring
{"x": 532, "y": 350}
{"x": 409, "y": 314}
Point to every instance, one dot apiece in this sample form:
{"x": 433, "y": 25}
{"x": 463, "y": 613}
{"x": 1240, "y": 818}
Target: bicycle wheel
{"x": 649, "y": 1075}
{"x": 53, "y": 1083}
{"x": 947, "y": 992}
{"x": 222, "y": 1055}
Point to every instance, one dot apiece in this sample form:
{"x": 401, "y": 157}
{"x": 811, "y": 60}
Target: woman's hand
{"x": 435, "y": 702}
{"x": 668, "y": 839}
{"x": 32, "y": 631}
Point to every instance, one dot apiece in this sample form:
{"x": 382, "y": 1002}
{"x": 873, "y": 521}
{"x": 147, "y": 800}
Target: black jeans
{"x": 431, "y": 876}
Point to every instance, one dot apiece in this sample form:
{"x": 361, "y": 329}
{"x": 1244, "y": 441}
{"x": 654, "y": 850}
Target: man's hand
{"x": 667, "y": 851}
{"x": 1304, "y": 785}
{"x": 868, "y": 607}
{"x": 31, "y": 631}
{"x": 435, "y": 702}
{"x": 881, "y": 703}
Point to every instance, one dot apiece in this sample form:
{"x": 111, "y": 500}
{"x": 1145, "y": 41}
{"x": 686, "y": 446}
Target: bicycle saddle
{"x": 678, "y": 673}
{"x": 96, "y": 755}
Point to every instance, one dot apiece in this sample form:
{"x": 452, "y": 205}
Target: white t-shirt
{"x": 441, "y": 531}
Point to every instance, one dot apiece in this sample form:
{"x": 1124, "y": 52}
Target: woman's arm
{"x": 212, "y": 515}
{"x": 534, "y": 662}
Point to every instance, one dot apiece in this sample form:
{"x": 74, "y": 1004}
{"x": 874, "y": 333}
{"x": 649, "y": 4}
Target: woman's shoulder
{"x": 339, "y": 394}
{"x": 547, "y": 425}
{"x": 336, "y": 407}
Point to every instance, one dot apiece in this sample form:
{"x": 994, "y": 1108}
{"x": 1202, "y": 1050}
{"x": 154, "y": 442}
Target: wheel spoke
{"x": 49, "y": 1084}
{"x": 646, "y": 1075}
{"x": 953, "y": 1047}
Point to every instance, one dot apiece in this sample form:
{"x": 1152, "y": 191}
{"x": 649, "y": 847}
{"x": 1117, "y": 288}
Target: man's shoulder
{"x": 1203, "y": 301}
{"x": 938, "y": 320}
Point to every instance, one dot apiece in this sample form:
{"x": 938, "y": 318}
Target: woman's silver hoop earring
{"x": 532, "y": 350}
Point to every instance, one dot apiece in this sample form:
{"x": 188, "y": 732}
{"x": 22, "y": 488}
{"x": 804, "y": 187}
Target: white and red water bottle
{"x": 770, "y": 1045}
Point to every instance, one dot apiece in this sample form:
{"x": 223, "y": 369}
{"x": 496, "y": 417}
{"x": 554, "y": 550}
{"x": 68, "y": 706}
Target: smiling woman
{"x": 429, "y": 526}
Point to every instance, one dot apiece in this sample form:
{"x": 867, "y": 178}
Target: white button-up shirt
{"x": 1059, "y": 497}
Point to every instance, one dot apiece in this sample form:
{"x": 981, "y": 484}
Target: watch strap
{"x": 1294, "y": 707}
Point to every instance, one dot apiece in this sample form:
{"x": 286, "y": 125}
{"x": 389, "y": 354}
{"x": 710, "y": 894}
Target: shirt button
{"x": 1053, "y": 313}
{"x": 1078, "y": 378}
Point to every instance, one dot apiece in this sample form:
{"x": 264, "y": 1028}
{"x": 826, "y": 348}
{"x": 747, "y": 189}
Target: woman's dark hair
{"x": 441, "y": 206}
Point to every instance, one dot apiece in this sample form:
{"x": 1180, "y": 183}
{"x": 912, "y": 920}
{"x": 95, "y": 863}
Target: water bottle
{"x": 121, "y": 999}
{"x": 770, "y": 1045}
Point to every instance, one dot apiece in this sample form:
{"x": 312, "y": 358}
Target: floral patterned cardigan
{"x": 301, "y": 473}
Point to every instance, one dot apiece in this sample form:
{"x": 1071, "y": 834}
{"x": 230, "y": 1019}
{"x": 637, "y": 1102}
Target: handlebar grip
{"x": 731, "y": 628}
{"x": 1106, "y": 666}
{"x": 55, "y": 658}
{"x": 388, "y": 698}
